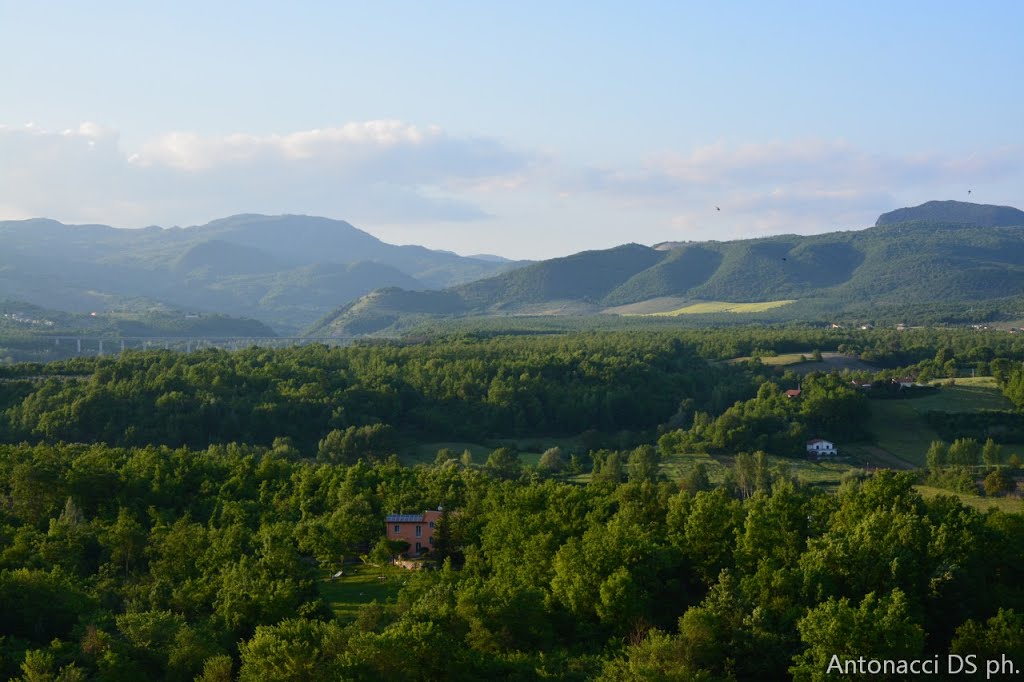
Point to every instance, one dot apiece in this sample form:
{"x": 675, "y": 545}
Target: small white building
{"x": 820, "y": 447}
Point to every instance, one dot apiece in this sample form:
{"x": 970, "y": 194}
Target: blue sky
{"x": 528, "y": 129}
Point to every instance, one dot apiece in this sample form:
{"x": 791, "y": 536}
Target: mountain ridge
{"x": 931, "y": 257}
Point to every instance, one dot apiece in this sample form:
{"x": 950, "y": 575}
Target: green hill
{"x": 916, "y": 266}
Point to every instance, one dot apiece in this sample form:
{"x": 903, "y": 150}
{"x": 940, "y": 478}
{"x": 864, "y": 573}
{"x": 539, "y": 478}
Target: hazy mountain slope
{"x": 303, "y": 240}
{"x": 18, "y": 317}
{"x": 382, "y": 309}
{"x": 285, "y": 270}
{"x": 217, "y": 258}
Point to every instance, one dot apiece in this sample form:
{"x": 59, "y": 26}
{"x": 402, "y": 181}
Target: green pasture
{"x": 900, "y": 428}
{"x": 969, "y": 394}
{"x": 1006, "y": 504}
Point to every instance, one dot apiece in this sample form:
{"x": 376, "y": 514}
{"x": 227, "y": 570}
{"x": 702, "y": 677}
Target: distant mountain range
{"x": 325, "y": 277}
{"x": 941, "y": 252}
{"x": 286, "y": 271}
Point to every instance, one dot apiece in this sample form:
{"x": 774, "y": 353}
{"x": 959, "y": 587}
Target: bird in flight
{"x": 717, "y": 209}
{"x": 968, "y": 191}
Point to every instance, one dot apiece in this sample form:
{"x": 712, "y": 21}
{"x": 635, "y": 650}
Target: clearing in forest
{"x": 361, "y": 585}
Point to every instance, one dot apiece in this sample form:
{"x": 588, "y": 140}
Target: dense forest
{"x": 173, "y": 516}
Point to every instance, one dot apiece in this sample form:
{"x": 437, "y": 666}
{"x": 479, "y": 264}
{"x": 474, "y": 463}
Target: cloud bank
{"x": 479, "y": 193}
{"x": 371, "y": 171}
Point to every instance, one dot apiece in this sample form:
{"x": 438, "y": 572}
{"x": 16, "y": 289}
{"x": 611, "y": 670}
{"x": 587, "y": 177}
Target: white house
{"x": 821, "y": 448}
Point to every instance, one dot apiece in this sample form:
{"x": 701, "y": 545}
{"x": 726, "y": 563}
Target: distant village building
{"x": 793, "y": 393}
{"x": 820, "y": 448}
{"x": 416, "y": 529}
{"x": 905, "y": 382}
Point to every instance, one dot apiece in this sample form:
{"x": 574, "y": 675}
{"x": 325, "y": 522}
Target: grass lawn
{"x": 1006, "y": 504}
{"x": 359, "y": 586}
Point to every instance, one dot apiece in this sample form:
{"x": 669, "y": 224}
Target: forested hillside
{"x": 938, "y": 255}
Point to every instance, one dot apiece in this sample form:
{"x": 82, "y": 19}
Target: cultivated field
{"x": 803, "y": 364}
{"x": 724, "y": 307}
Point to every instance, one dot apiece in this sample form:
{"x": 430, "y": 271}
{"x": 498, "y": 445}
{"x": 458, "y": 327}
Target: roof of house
{"x": 405, "y": 518}
{"x": 818, "y": 440}
{"x": 793, "y": 392}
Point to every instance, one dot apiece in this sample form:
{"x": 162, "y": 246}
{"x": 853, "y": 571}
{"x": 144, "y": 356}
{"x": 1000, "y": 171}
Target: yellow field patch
{"x": 724, "y": 307}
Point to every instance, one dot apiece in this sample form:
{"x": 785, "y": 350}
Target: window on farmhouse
{"x": 398, "y": 528}
{"x": 419, "y": 531}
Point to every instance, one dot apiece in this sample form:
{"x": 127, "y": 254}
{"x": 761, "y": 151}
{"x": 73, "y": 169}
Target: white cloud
{"x": 832, "y": 165}
{"x": 794, "y": 186}
{"x": 371, "y": 170}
